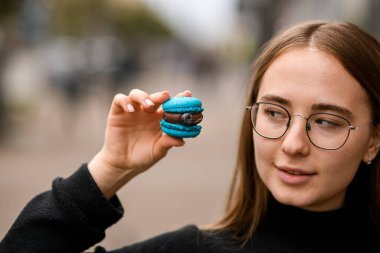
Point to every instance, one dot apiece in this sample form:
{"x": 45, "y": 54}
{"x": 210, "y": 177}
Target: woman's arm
{"x": 71, "y": 217}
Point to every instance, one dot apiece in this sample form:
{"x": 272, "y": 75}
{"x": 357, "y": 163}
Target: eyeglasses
{"x": 324, "y": 130}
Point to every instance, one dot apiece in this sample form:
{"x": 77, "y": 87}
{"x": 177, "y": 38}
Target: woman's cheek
{"x": 264, "y": 153}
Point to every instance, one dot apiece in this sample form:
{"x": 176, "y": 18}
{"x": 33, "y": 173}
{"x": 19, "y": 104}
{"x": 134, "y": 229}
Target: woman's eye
{"x": 325, "y": 123}
{"x": 274, "y": 113}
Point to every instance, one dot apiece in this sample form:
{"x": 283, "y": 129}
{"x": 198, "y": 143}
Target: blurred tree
{"x": 137, "y": 23}
{"x": 130, "y": 24}
{"x": 95, "y": 17}
{"x": 8, "y": 41}
{"x": 76, "y": 18}
{"x": 8, "y": 9}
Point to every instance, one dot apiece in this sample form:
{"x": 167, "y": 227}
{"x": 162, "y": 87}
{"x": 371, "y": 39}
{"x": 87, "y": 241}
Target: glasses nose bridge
{"x": 299, "y": 115}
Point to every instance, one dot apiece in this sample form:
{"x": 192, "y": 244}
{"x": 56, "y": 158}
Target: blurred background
{"x": 61, "y": 62}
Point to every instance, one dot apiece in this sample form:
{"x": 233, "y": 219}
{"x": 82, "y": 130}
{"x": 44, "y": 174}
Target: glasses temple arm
{"x": 359, "y": 126}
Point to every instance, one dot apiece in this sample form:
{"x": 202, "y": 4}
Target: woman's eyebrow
{"x": 315, "y": 107}
{"x": 274, "y": 98}
{"x": 334, "y": 108}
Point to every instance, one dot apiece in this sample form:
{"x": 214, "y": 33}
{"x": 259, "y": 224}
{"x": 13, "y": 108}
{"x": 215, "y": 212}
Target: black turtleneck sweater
{"x": 291, "y": 229}
{"x": 74, "y": 215}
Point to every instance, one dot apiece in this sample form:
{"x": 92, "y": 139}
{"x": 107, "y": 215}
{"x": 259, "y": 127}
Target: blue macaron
{"x": 181, "y": 117}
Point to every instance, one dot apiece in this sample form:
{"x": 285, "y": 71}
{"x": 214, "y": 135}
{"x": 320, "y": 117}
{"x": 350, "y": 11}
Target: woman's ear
{"x": 373, "y": 145}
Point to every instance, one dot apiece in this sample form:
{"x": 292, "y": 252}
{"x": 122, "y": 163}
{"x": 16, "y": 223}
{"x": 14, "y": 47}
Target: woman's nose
{"x": 296, "y": 141}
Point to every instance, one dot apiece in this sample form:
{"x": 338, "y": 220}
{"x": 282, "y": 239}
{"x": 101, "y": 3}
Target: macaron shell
{"x": 185, "y": 109}
{"x": 180, "y": 131}
{"x": 183, "y": 104}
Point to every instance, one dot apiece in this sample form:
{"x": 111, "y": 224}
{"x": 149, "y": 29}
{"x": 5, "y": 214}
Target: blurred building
{"x": 264, "y": 17}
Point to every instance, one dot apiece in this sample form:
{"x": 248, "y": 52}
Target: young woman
{"x": 307, "y": 177}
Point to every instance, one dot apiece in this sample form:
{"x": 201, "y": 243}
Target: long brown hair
{"x": 359, "y": 53}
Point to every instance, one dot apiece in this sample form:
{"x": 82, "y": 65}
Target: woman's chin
{"x": 293, "y": 200}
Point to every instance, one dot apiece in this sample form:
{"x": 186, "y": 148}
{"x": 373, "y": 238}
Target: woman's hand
{"x": 133, "y": 139}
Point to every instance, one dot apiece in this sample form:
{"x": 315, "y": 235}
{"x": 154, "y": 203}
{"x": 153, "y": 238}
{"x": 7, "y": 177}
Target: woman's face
{"x": 307, "y": 81}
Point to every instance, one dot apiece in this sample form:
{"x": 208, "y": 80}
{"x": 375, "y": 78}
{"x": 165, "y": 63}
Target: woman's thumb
{"x": 164, "y": 143}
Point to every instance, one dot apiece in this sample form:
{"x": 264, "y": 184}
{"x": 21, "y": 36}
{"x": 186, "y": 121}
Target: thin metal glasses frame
{"x": 307, "y": 125}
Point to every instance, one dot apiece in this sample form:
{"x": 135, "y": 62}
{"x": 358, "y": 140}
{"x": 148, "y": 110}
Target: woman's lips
{"x": 294, "y": 176}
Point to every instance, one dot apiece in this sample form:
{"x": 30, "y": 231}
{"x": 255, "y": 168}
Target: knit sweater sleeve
{"x": 71, "y": 217}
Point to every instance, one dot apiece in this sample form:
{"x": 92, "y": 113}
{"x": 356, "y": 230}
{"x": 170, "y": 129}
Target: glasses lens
{"x": 269, "y": 120}
{"x": 328, "y": 131}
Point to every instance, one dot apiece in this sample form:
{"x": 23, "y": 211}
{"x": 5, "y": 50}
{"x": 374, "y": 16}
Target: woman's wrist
{"x": 109, "y": 179}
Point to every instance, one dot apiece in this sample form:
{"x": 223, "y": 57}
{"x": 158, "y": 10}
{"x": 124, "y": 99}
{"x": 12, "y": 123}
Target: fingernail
{"x": 148, "y": 102}
{"x": 130, "y": 108}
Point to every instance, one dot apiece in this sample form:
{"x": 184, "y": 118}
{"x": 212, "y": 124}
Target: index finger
{"x": 159, "y": 98}
{"x": 186, "y": 93}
